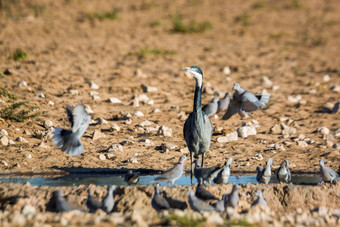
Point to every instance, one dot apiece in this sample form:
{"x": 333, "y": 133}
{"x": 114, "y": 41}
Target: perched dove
{"x": 174, "y": 173}
{"x": 211, "y": 108}
{"x": 220, "y": 205}
{"x": 158, "y": 202}
{"x": 197, "y": 204}
{"x": 283, "y": 173}
{"x": 224, "y": 102}
{"x": 260, "y": 200}
{"x": 266, "y": 172}
{"x": 327, "y": 173}
{"x": 131, "y": 178}
{"x": 69, "y": 140}
{"x": 61, "y": 205}
{"x": 202, "y": 193}
{"x": 206, "y": 173}
{"x": 108, "y": 201}
{"x": 223, "y": 175}
{"x": 232, "y": 199}
{"x": 92, "y": 203}
{"x": 244, "y": 102}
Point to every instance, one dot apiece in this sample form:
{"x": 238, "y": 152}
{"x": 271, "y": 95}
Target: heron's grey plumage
{"x": 245, "y": 102}
{"x": 223, "y": 103}
{"x": 259, "y": 200}
{"x": 210, "y": 109}
{"x": 197, "y": 129}
{"x": 92, "y": 203}
{"x": 283, "y": 173}
{"x": 233, "y": 198}
{"x": 203, "y": 193}
{"x": 131, "y": 177}
{"x": 174, "y": 173}
{"x": 69, "y": 140}
{"x": 197, "y": 204}
{"x": 158, "y": 202}
{"x": 108, "y": 202}
{"x": 327, "y": 173}
{"x": 207, "y": 174}
{"x": 61, "y": 205}
{"x": 266, "y": 172}
{"x": 223, "y": 175}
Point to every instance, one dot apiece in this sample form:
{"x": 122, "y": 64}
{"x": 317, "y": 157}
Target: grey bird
{"x": 69, "y": 140}
{"x": 223, "y": 103}
{"x": 259, "y": 171}
{"x": 266, "y": 172}
{"x": 220, "y": 204}
{"x": 131, "y": 177}
{"x": 197, "y": 204}
{"x": 61, "y": 205}
{"x": 108, "y": 202}
{"x": 210, "y": 109}
{"x": 92, "y": 204}
{"x": 197, "y": 129}
{"x": 174, "y": 173}
{"x": 202, "y": 193}
{"x": 223, "y": 175}
{"x": 207, "y": 174}
{"x": 233, "y": 198}
{"x": 259, "y": 200}
{"x": 158, "y": 202}
{"x": 283, "y": 173}
{"x": 244, "y": 102}
{"x": 327, "y": 173}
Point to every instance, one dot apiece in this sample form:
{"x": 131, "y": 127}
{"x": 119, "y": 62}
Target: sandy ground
{"x": 293, "y": 43}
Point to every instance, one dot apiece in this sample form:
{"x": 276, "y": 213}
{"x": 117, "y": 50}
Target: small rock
{"x": 50, "y": 103}
{"x": 93, "y": 93}
{"x": 228, "y": 78}
{"x": 96, "y": 98}
{"x": 226, "y": 70}
{"x": 39, "y": 134}
{"x": 29, "y": 156}
{"x": 184, "y": 150}
{"x": 115, "y": 100}
{"x": 97, "y": 134}
{"x": 337, "y": 133}
{"x": 88, "y": 110}
{"x": 335, "y": 88}
{"x": 288, "y": 131}
{"x": 4, "y": 141}
{"x": 4, "y": 163}
{"x": 336, "y": 146}
{"x": 326, "y": 78}
{"x": 156, "y": 111}
{"x": 18, "y": 219}
{"x": 266, "y": 81}
{"x": 127, "y": 142}
{"x": 142, "y": 98}
{"x": 102, "y": 121}
{"x": 138, "y": 113}
{"x": 115, "y": 147}
{"x": 233, "y": 136}
{"x": 3, "y": 132}
{"x": 149, "y": 89}
{"x": 164, "y": 131}
{"x": 48, "y": 124}
{"x": 214, "y": 218}
{"x": 312, "y": 91}
{"x": 277, "y": 147}
{"x": 93, "y": 85}
{"x": 275, "y": 87}
{"x": 22, "y": 84}
{"x": 110, "y": 156}
{"x": 246, "y": 131}
{"x": 145, "y": 123}
{"x": 73, "y": 92}
{"x": 102, "y": 157}
{"x": 134, "y": 103}
{"x": 139, "y": 73}
{"x": 43, "y": 145}
{"x": 146, "y": 141}
{"x": 294, "y": 99}
{"x": 302, "y": 144}
{"x": 28, "y": 211}
{"x": 39, "y": 95}
{"x": 323, "y": 130}
{"x": 258, "y": 157}
{"x": 114, "y": 127}
{"x": 11, "y": 142}
{"x": 168, "y": 146}
{"x": 276, "y": 129}
{"x": 150, "y": 102}
{"x": 132, "y": 160}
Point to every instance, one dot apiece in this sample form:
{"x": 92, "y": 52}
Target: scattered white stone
{"x": 184, "y": 150}
{"x": 228, "y": 78}
{"x": 115, "y": 100}
{"x": 226, "y": 70}
{"x": 164, "y": 131}
{"x": 73, "y": 92}
{"x": 102, "y": 157}
{"x": 335, "y": 88}
{"x": 258, "y": 157}
{"x": 145, "y": 123}
{"x": 326, "y": 78}
{"x": 96, "y": 98}
{"x": 266, "y": 81}
{"x": 337, "y": 133}
{"x": 294, "y": 99}
{"x": 146, "y": 141}
{"x": 276, "y": 129}
{"x": 50, "y": 103}
{"x": 93, "y": 93}
{"x": 302, "y": 144}
{"x": 134, "y": 103}
{"x": 156, "y": 110}
{"x": 277, "y": 146}
{"x": 128, "y": 122}
{"x": 88, "y": 110}
{"x": 48, "y": 124}
{"x": 127, "y": 142}
{"x": 39, "y": 95}
{"x": 97, "y": 134}
{"x": 110, "y": 156}
{"x": 43, "y": 145}
{"x": 3, "y": 132}
{"x": 336, "y": 146}
{"x": 275, "y": 87}
{"x": 246, "y": 131}
{"x": 323, "y": 130}
{"x": 168, "y": 146}
{"x": 132, "y": 160}
{"x": 149, "y": 89}
{"x": 4, "y": 141}
{"x": 28, "y": 211}
{"x": 233, "y": 136}
{"x": 11, "y": 142}
{"x": 102, "y": 121}
{"x": 139, "y": 73}
{"x": 29, "y": 156}
{"x": 22, "y": 84}
{"x": 93, "y": 85}
{"x": 115, "y": 147}
{"x": 214, "y": 218}
{"x": 138, "y": 113}
{"x": 115, "y": 127}
{"x": 142, "y": 98}
{"x": 312, "y": 91}
{"x": 4, "y": 163}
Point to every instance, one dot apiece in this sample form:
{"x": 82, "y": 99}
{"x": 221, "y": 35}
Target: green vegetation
{"x": 2, "y": 75}
{"x": 208, "y": 48}
{"x": 19, "y": 111}
{"x": 244, "y": 19}
{"x": 294, "y": 4}
{"x": 18, "y": 55}
{"x": 192, "y": 27}
{"x": 6, "y": 94}
{"x": 258, "y": 5}
{"x": 111, "y": 15}
{"x": 241, "y": 222}
{"x": 187, "y": 220}
{"x": 145, "y": 52}
{"x": 155, "y": 23}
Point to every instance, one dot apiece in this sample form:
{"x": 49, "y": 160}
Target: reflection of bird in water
{"x": 131, "y": 177}
{"x": 69, "y": 140}
{"x": 197, "y": 128}
{"x": 283, "y": 173}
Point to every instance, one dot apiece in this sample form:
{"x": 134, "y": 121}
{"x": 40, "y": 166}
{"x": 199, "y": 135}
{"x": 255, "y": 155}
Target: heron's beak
{"x": 186, "y": 68}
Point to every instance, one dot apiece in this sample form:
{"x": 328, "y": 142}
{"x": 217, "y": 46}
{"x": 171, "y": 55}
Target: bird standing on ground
{"x": 197, "y": 204}
{"x": 207, "y": 174}
{"x": 158, "y": 202}
{"x": 283, "y": 173}
{"x": 223, "y": 176}
{"x": 223, "y": 103}
{"x": 92, "y": 204}
{"x": 131, "y": 177}
{"x": 244, "y": 102}
{"x": 69, "y": 140}
{"x": 108, "y": 202}
{"x": 327, "y": 173}
{"x": 203, "y": 193}
{"x": 174, "y": 173}
{"x": 61, "y": 205}
{"x": 260, "y": 200}
{"x": 265, "y": 175}
{"x": 197, "y": 128}
{"x": 211, "y": 108}
{"x": 232, "y": 199}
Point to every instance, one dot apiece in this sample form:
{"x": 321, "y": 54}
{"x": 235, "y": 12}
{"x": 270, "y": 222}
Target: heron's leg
{"x": 202, "y": 160}
{"x": 191, "y": 175}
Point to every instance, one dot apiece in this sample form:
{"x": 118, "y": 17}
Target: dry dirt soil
{"x": 125, "y": 46}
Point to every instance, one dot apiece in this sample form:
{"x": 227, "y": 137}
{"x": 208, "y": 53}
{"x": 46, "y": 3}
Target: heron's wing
{"x": 186, "y": 127}
{"x": 81, "y": 119}
{"x": 69, "y": 110}
{"x": 233, "y": 108}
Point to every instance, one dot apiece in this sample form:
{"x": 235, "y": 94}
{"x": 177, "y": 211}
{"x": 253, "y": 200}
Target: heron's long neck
{"x": 197, "y": 98}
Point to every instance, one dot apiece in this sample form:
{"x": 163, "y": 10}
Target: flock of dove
{"x": 197, "y": 134}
